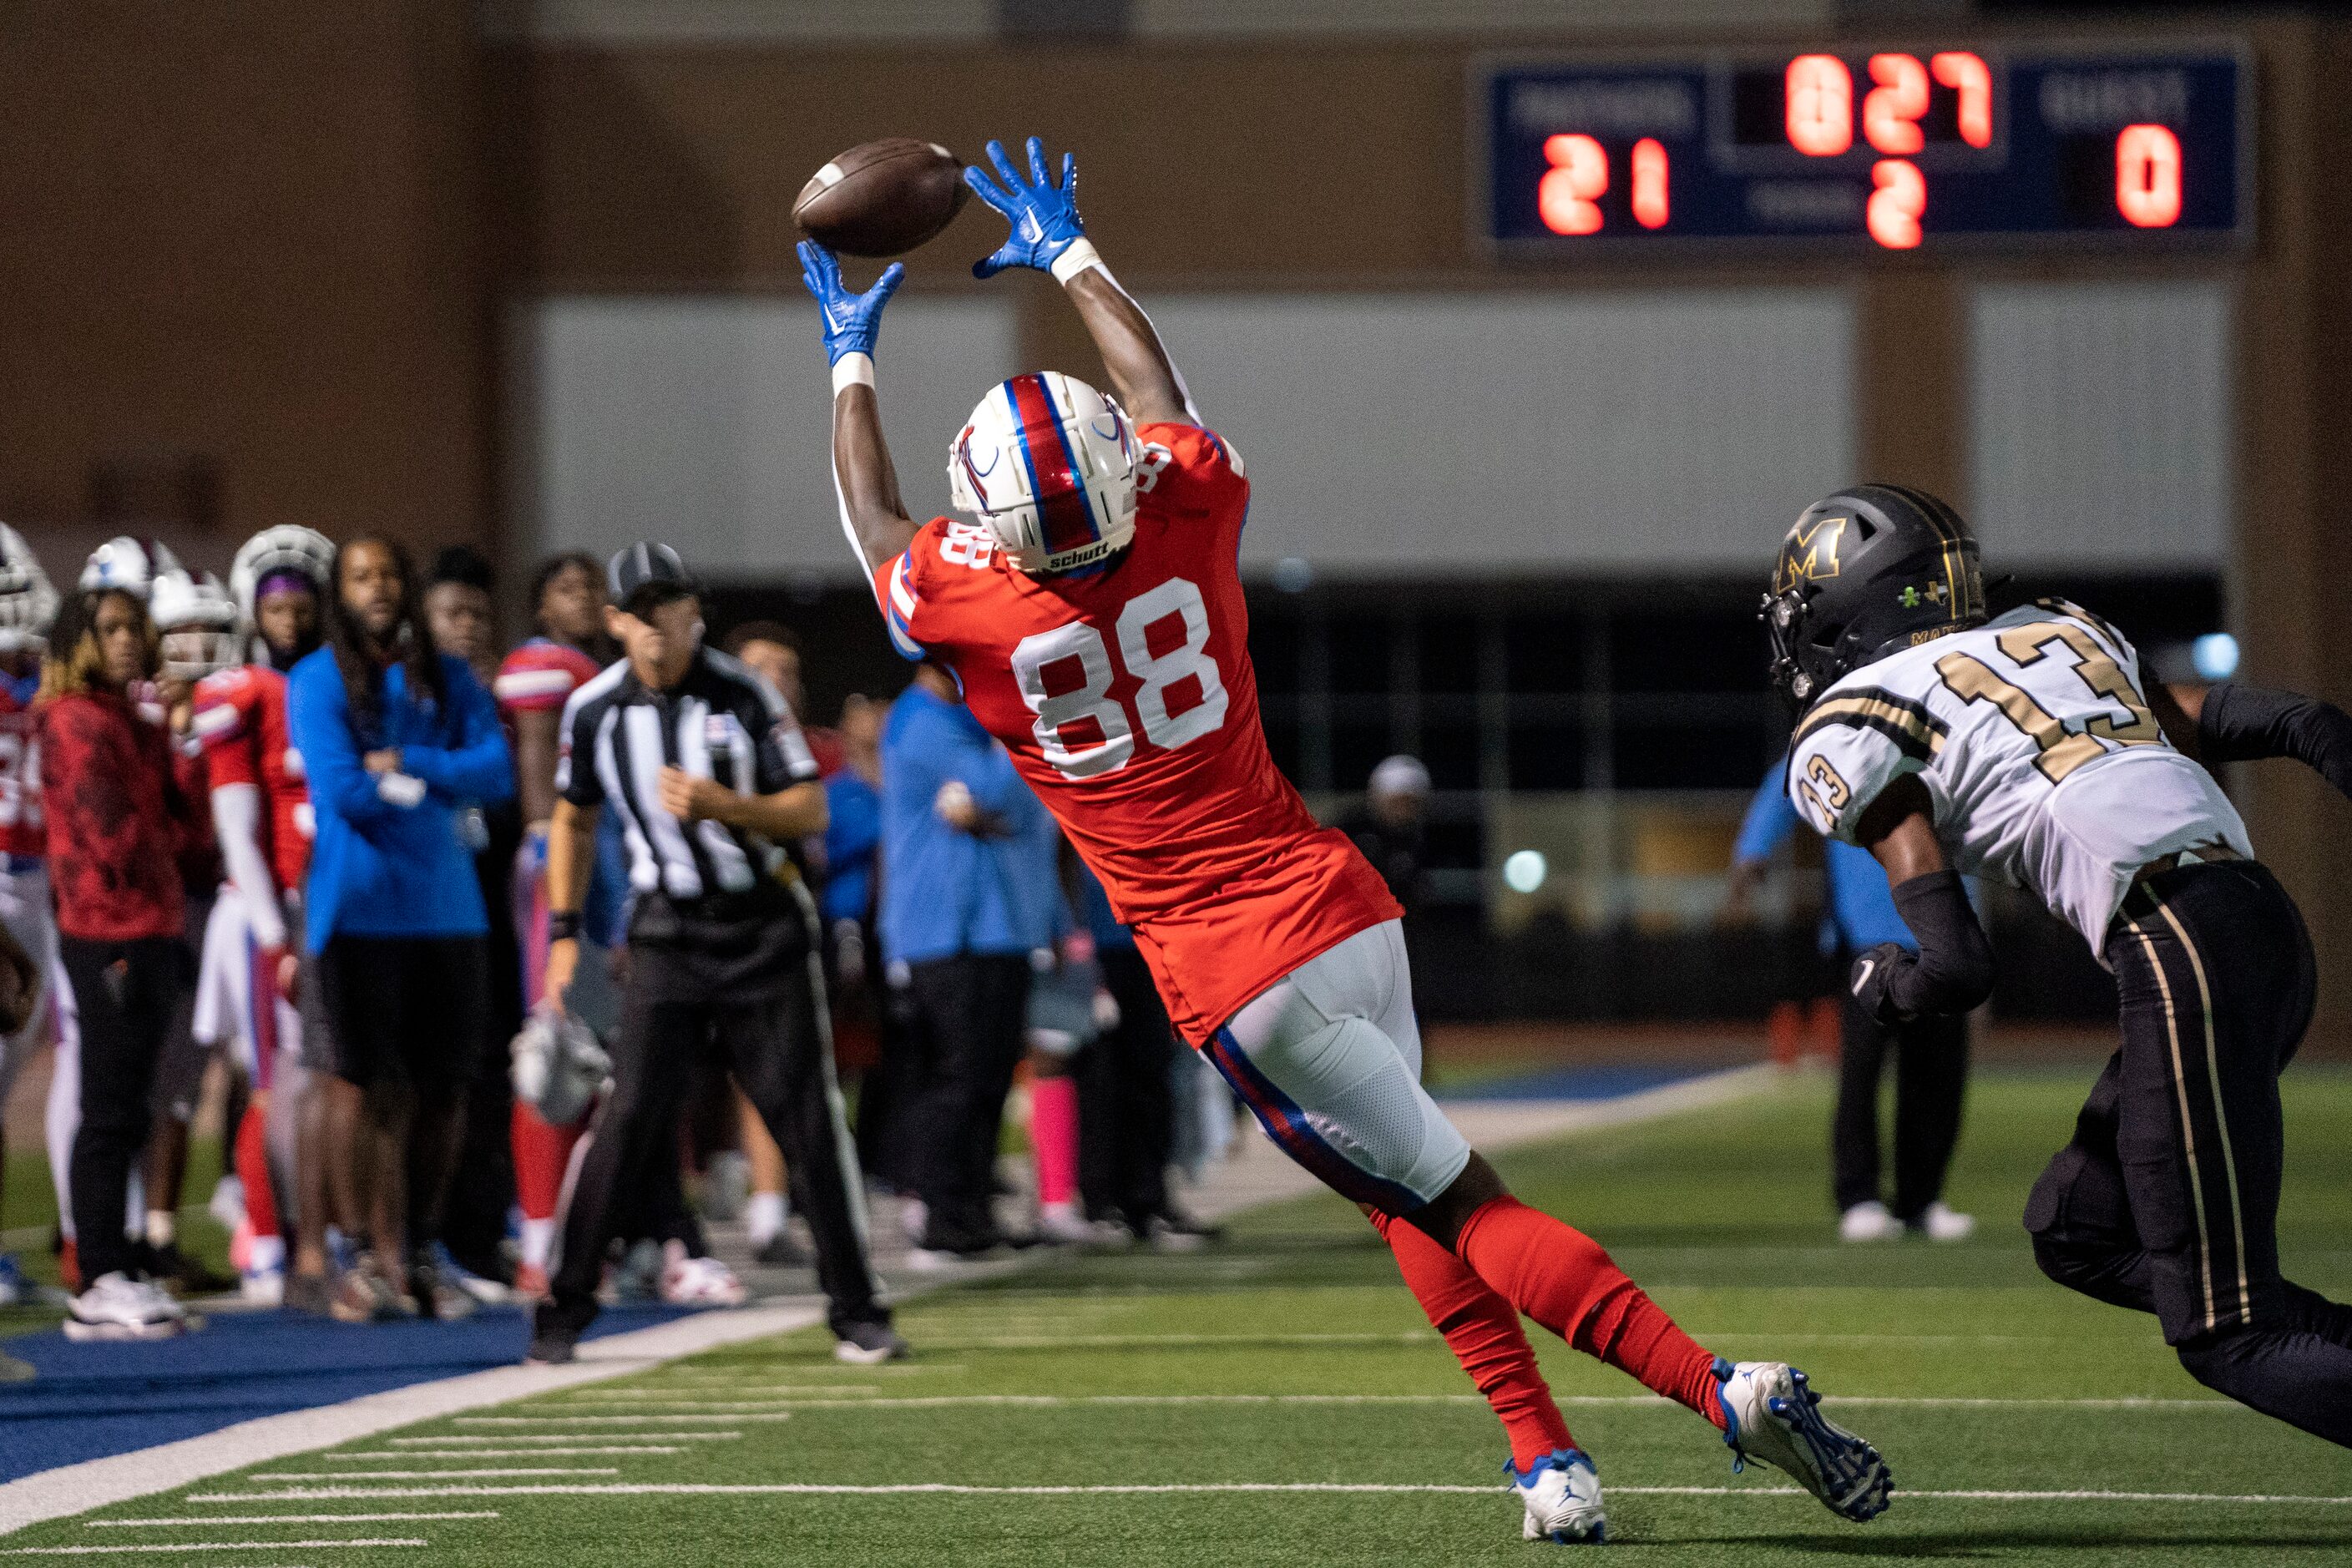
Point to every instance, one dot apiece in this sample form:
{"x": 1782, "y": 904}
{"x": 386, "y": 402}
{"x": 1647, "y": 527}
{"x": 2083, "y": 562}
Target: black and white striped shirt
{"x": 719, "y": 721}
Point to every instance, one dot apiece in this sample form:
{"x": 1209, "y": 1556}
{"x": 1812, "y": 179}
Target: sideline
{"x": 1257, "y": 1174}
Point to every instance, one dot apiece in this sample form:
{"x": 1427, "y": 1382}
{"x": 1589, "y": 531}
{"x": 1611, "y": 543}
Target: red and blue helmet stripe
{"x": 1066, "y": 512}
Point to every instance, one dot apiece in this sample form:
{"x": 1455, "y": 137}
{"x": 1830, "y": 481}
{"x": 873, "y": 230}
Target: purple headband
{"x": 285, "y": 581}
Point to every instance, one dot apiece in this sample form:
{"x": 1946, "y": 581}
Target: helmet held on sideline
{"x": 29, "y": 603}
{"x": 127, "y": 565}
{"x": 1047, "y": 464}
{"x": 1863, "y": 572}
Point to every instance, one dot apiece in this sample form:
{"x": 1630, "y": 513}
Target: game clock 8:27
{"x": 1899, "y": 147}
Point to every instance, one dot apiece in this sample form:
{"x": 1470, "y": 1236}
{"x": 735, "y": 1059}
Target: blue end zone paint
{"x": 1599, "y": 1081}
{"x": 95, "y": 1400}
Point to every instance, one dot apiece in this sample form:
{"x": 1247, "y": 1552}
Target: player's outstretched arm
{"x": 2235, "y": 723}
{"x": 1952, "y": 972}
{"x": 1048, "y": 236}
{"x": 865, "y": 481}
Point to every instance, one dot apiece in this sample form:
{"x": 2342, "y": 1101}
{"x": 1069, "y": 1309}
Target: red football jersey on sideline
{"x": 1128, "y": 702}
{"x": 240, "y": 726}
{"x": 540, "y": 677}
{"x": 23, "y": 835}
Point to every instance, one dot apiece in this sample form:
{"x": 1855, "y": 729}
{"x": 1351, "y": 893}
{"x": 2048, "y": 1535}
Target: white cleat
{"x": 698, "y": 1281}
{"x": 1771, "y": 1415}
{"x": 117, "y": 1307}
{"x": 1940, "y": 1221}
{"x": 1869, "y": 1221}
{"x": 1562, "y": 1494}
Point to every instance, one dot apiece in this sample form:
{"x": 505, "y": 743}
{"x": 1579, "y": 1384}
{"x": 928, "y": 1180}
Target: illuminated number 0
{"x": 2147, "y": 176}
{"x": 1580, "y": 172}
{"x": 1820, "y": 118}
{"x": 1091, "y": 699}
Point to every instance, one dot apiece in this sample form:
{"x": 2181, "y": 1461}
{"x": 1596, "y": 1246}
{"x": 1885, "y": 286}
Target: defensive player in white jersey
{"x": 2027, "y": 747}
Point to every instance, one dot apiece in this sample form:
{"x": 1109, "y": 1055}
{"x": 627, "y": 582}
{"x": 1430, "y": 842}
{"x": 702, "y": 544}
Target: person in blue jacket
{"x": 1931, "y": 1053}
{"x": 396, "y": 741}
{"x": 960, "y": 916}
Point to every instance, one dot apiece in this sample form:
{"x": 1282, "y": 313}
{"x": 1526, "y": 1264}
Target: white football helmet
{"x": 197, "y": 622}
{"x": 127, "y": 565}
{"x": 1047, "y": 464}
{"x": 28, "y": 603}
{"x": 289, "y": 547}
{"x": 557, "y": 1066}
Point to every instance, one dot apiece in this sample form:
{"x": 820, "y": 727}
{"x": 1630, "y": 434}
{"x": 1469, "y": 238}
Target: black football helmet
{"x": 1866, "y": 570}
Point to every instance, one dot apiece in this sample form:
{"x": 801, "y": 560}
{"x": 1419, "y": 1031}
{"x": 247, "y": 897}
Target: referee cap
{"x": 650, "y": 570}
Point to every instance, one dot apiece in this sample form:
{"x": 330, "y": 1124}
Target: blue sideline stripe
{"x": 91, "y": 1401}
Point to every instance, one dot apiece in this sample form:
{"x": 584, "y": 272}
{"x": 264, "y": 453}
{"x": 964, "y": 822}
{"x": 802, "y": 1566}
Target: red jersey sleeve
{"x": 899, "y": 582}
{"x": 1188, "y": 473}
{"x": 540, "y": 677}
{"x": 227, "y": 726}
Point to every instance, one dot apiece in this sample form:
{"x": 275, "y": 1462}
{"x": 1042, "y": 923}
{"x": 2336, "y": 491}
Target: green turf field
{"x": 1293, "y": 1357}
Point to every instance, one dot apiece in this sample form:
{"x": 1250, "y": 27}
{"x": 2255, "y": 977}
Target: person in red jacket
{"x": 117, "y": 821}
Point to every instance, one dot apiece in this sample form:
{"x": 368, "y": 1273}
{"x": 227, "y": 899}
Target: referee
{"x": 709, "y": 773}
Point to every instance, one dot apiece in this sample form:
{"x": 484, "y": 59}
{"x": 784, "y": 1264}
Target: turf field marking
{"x": 460, "y": 1439}
{"x": 613, "y": 1420}
{"x": 1057, "y": 1401}
{"x": 281, "y": 1518}
{"x": 493, "y": 1454}
{"x": 1150, "y": 1341}
{"x": 950, "y": 1488}
{"x": 209, "y": 1546}
{"x": 433, "y": 1475}
{"x": 691, "y": 1396}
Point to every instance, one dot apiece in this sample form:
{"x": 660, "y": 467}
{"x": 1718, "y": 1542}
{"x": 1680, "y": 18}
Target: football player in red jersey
{"x": 567, "y": 602}
{"x": 260, "y": 804}
{"x": 28, "y": 605}
{"x": 1094, "y": 617}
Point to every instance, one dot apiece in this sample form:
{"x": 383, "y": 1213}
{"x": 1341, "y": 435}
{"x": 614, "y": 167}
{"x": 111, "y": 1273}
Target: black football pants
{"x": 781, "y": 1052}
{"x": 1126, "y": 1113}
{"x": 1931, "y": 1076}
{"x": 123, "y": 993}
{"x": 2166, "y": 1200}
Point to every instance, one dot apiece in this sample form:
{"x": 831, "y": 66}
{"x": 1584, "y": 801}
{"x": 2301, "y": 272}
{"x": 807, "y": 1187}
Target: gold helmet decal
{"x": 1810, "y": 554}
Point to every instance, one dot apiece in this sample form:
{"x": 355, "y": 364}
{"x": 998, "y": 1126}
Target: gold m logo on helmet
{"x": 1811, "y": 552}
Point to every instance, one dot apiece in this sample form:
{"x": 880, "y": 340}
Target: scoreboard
{"x": 1845, "y": 147}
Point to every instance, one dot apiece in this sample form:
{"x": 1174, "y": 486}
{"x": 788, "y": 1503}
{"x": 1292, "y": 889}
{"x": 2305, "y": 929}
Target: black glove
{"x": 1873, "y": 980}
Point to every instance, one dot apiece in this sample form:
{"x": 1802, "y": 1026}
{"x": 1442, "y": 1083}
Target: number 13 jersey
{"x": 1128, "y": 701}
{"x": 2044, "y": 765}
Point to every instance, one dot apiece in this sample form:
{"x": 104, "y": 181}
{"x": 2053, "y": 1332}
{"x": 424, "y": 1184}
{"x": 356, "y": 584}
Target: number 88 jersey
{"x": 2037, "y": 748}
{"x": 1126, "y": 699}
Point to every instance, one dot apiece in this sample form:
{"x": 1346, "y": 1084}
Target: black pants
{"x": 968, "y": 1029}
{"x": 1127, "y": 1114}
{"x": 2166, "y": 1200}
{"x": 124, "y": 992}
{"x": 1931, "y": 1075}
{"x": 775, "y": 1040}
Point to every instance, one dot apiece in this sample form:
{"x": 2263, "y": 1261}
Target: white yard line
{"x": 219, "y": 1519}
{"x": 209, "y": 1546}
{"x": 1259, "y": 1173}
{"x": 613, "y": 1420}
{"x": 766, "y": 1393}
{"x": 949, "y": 1489}
{"x": 434, "y": 1474}
{"x": 357, "y": 1455}
{"x": 464, "y": 1440}
{"x": 1060, "y": 1401}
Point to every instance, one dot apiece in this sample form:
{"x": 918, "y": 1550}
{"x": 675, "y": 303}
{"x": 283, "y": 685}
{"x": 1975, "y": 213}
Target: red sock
{"x": 1483, "y": 1331}
{"x": 1559, "y": 1277}
{"x": 1054, "y": 1137}
{"x": 541, "y": 1155}
{"x": 253, "y": 1172}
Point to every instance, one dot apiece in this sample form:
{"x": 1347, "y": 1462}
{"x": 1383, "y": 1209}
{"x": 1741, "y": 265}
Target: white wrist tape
{"x": 852, "y": 370}
{"x": 1080, "y": 256}
{"x": 403, "y": 790}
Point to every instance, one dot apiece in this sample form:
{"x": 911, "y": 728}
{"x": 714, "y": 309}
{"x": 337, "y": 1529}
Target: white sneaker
{"x": 262, "y": 1287}
{"x": 1869, "y": 1221}
{"x": 1940, "y": 1221}
{"x": 1061, "y": 1224}
{"x": 1771, "y": 1415}
{"x": 698, "y": 1281}
{"x": 117, "y": 1307}
{"x": 1562, "y": 1494}
{"x": 931, "y": 1260}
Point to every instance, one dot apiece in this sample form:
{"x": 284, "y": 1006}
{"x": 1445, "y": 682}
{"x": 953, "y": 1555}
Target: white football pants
{"x": 1328, "y": 1060}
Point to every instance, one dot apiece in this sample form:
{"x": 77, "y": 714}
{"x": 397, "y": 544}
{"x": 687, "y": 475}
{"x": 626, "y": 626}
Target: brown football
{"x": 883, "y": 199}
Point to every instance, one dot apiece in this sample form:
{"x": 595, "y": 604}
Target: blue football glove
{"x": 1045, "y": 220}
{"x": 851, "y": 320}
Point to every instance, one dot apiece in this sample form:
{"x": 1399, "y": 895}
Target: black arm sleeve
{"x": 1953, "y": 971}
{"x": 2246, "y": 724}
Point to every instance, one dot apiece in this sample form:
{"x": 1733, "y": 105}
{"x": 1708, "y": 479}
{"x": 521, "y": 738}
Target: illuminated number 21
{"x": 1580, "y": 172}
{"x": 2147, "y": 176}
{"x": 1569, "y": 198}
{"x": 1897, "y": 204}
{"x": 1819, "y": 105}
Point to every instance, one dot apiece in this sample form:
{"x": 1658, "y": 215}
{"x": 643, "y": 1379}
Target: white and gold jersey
{"x": 2044, "y": 765}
